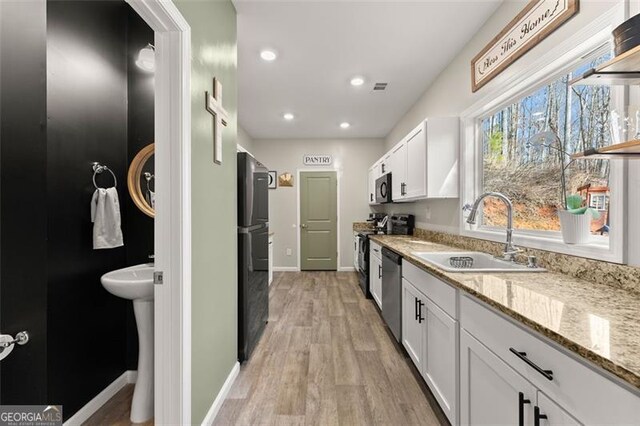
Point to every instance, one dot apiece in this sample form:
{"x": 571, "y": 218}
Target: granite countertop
{"x": 363, "y": 226}
{"x": 595, "y": 321}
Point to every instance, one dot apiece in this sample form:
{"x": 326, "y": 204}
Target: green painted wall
{"x": 214, "y": 315}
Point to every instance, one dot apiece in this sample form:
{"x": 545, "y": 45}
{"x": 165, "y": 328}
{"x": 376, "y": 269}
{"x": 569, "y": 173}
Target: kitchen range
{"x": 400, "y": 224}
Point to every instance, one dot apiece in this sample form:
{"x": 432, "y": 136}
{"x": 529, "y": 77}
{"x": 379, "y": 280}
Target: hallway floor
{"x": 326, "y": 358}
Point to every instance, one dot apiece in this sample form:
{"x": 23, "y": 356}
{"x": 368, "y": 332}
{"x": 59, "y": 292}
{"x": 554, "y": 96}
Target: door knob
{"x": 303, "y": 226}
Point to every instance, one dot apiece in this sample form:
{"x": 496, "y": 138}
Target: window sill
{"x": 598, "y": 250}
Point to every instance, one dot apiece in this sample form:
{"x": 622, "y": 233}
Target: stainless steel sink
{"x": 472, "y": 262}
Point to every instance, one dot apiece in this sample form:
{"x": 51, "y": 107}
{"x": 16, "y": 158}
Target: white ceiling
{"x": 322, "y": 44}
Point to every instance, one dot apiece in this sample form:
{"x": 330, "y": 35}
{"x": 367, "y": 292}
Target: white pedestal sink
{"x": 136, "y": 283}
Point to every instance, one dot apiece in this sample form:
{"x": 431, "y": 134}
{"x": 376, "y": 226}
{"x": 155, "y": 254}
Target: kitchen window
{"x": 513, "y": 139}
{"x": 526, "y": 145}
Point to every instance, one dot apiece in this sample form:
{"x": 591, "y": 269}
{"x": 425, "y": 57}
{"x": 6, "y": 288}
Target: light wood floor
{"x": 326, "y": 358}
{"x": 116, "y": 411}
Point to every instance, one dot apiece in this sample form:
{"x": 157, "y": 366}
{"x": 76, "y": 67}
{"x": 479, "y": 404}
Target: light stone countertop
{"x": 595, "y": 321}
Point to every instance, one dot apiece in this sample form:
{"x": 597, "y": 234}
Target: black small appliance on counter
{"x": 402, "y": 224}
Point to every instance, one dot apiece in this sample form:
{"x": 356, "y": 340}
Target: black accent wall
{"x": 23, "y": 220}
{"x": 87, "y": 121}
{"x": 70, "y": 95}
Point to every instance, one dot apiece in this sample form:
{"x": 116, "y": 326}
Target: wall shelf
{"x": 629, "y": 149}
{"x": 624, "y": 69}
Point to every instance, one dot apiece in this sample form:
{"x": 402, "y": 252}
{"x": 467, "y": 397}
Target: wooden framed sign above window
{"x": 536, "y": 21}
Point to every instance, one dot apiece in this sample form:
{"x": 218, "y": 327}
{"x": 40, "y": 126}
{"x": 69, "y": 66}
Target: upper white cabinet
{"x": 371, "y": 197}
{"x": 424, "y": 164}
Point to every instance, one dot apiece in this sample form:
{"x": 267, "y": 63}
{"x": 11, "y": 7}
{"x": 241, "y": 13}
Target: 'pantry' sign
{"x": 317, "y": 160}
{"x": 538, "y": 19}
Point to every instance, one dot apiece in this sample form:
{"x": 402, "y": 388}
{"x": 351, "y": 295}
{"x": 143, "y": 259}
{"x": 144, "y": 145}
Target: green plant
{"x": 574, "y": 205}
{"x": 574, "y": 202}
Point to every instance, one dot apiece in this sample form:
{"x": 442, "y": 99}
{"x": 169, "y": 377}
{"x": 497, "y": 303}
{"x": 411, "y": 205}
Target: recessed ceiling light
{"x": 288, "y": 116}
{"x": 345, "y": 125}
{"x": 357, "y": 81}
{"x": 268, "y": 55}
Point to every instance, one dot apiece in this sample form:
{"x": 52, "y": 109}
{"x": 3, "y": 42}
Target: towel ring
{"x": 98, "y": 169}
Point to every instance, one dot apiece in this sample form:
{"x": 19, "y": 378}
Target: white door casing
{"x": 173, "y": 209}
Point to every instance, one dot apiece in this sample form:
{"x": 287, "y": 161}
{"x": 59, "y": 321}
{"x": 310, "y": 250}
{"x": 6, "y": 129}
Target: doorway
{"x": 318, "y": 195}
{"x": 27, "y": 376}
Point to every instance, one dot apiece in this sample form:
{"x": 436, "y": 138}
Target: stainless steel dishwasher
{"x": 392, "y": 291}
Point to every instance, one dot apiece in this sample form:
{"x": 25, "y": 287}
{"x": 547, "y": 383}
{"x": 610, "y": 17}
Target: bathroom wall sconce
{"x": 147, "y": 58}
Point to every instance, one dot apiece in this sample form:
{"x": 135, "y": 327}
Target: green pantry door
{"x": 318, "y": 221}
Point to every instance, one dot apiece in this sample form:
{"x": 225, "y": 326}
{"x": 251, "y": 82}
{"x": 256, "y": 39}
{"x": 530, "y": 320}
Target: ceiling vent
{"x": 380, "y": 86}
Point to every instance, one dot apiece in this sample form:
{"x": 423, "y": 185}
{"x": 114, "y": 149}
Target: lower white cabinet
{"x": 491, "y": 393}
{"x": 430, "y": 337}
{"x": 440, "y": 364}
{"x": 375, "y": 272}
{"x": 375, "y": 279}
{"x": 565, "y": 390}
{"x": 270, "y": 259}
{"x": 412, "y": 329}
{"x": 356, "y": 249}
{"x": 549, "y": 413}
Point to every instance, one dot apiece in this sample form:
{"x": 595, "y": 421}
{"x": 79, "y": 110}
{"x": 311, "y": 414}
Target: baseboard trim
{"x": 83, "y": 414}
{"x": 222, "y": 395}
{"x": 346, "y": 269}
{"x": 285, "y": 269}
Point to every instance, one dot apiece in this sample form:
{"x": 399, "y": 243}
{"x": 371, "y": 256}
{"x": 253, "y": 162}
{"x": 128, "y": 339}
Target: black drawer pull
{"x": 548, "y": 374}
{"x": 537, "y": 416}
{"x": 379, "y": 271}
{"x": 521, "y": 402}
{"x": 415, "y": 307}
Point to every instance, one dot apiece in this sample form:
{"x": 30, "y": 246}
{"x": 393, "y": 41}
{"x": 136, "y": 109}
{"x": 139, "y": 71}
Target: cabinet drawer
{"x": 375, "y": 249}
{"x": 441, "y": 293}
{"x": 578, "y": 388}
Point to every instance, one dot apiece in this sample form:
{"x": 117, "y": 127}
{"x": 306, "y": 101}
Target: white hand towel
{"x": 105, "y": 215}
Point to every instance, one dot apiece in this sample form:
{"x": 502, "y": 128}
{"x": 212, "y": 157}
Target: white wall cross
{"x": 220, "y": 118}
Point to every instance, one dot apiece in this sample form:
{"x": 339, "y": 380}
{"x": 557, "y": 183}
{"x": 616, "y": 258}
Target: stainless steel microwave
{"x": 383, "y": 189}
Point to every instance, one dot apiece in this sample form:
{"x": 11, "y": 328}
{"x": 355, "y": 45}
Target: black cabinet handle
{"x": 548, "y": 374}
{"x": 415, "y": 307}
{"x": 379, "y": 271}
{"x": 383, "y": 168}
{"x": 537, "y": 416}
{"x": 371, "y": 197}
{"x": 420, "y": 317}
{"x": 521, "y": 402}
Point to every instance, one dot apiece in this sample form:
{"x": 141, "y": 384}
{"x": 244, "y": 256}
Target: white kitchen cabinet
{"x": 430, "y": 335}
{"x": 385, "y": 164}
{"x": 375, "y": 272}
{"x": 550, "y": 413}
{"x": 413, "y": 330}
{"x": 372, "y": 176}
{"x": 491, "y": 393}
{"x": 575, "y": 389}
{"x": 440, "y": 363}
{"x": 425, "y": 162}
{"x": 398, "y": 175}
{"x": 356, "y": 250}
{"x": 270, "y": 259}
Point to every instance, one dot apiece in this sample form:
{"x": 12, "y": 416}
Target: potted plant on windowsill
{"x": 575, "y": 221}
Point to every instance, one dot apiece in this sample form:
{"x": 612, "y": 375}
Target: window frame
{"x": 549, "y": 67}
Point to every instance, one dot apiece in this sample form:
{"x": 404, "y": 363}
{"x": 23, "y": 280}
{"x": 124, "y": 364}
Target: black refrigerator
{"x": 253, "y": 253}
